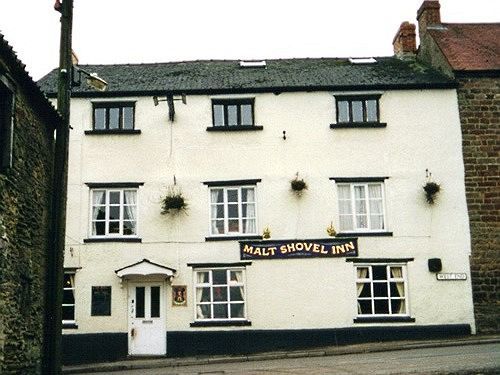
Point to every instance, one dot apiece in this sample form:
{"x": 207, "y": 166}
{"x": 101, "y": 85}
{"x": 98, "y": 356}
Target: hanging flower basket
{"x": 297, "y": 185}
{"x": 431, "y": 189}
{"x": 173, "y": 202}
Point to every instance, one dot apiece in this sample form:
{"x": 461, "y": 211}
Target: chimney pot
{"x": 428, "y": 14}
{"x": 404, "y": 42}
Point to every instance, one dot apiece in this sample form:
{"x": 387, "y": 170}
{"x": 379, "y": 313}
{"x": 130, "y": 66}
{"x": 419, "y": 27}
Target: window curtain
{"x": 397, "y": 273}
{"x": 239, "y": 279}
{"x": 362, "y": 273}
{"x": 376, "y": 209}
{"x": 130, "y": 201}
{"x": 201, "y": 278}
{"x": 249, "y": 212}
{"x": 98, "y": 198}
{"x": 214, "y": 195}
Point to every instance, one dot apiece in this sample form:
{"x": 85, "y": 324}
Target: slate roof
{"x": 469, "y": 47}
{"x": 18, "y": 72}
{"x": 226, "y": 76}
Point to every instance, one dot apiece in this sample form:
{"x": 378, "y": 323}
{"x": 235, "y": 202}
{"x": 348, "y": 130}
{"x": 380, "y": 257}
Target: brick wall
{"x": 479, "y": 105}
{"x": 25, "y": 192}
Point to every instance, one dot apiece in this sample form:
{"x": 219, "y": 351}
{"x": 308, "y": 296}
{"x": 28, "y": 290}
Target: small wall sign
{"x": 179, "y": 297}
{"x": 286, "y": 249}
{"x": 451, "y": 276}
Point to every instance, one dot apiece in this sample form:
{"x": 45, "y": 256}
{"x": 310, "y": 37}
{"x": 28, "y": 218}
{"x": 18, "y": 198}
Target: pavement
{"x": 163, "y": 362}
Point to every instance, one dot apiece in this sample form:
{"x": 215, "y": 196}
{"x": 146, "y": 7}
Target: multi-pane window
{"x": 361, "y": 206}
{"x": 381, "y": 289}
{"x": 232, "y": 210}
{"x": 114, "y": 116}
{"x": 101, "y": 301}
{"x": 6, "y": 125}
{"x": 220, "y": 294}
{"x": 68, "y": 305}
{"x": 234, "y": 112}
{"x": 114, "y": 212}
{"x": 357, "y": 109}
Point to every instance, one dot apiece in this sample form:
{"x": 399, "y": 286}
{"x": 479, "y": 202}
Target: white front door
{"x": 147, "y": 330}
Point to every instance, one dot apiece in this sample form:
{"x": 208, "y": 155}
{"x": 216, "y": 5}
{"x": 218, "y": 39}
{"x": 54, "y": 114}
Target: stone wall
{"x": 25, "y": 191}
{"x": 479, "y": 101}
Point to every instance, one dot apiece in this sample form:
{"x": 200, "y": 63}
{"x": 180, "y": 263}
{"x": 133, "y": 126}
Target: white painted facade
{"x": 422, "y": 132}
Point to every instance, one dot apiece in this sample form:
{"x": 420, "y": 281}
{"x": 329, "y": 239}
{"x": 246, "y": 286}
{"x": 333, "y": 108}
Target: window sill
{"x": 221, "y": 323}
{"x": 344, "y": 125}
{"x": 108, "y": 131}
{"x": 70, "y": 326}
{"x": 364, "y": 234}
{"x": 233, "y": 128}
{"x": 384, "y": 319}
{"x": 233, "y": 238}
{"x": 112, "y": 239}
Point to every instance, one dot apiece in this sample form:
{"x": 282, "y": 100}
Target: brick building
{"x": 470, "y": 53}
{"x": 27, "y": 122}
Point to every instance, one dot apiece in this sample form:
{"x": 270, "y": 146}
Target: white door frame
{"x": 147, "y": 335}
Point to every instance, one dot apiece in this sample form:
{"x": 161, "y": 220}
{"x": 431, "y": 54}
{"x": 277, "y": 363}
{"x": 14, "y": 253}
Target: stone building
{"x": 256, "y": 261}
{"x": 470, "y": 53}
{"x": 27, "y": 122}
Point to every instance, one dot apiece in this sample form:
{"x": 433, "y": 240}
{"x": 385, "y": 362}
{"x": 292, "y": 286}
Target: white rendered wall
{"x": 423, "y": 132}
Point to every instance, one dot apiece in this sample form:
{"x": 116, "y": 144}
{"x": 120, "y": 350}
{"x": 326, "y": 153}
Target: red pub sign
{"x": 282, "y": 249}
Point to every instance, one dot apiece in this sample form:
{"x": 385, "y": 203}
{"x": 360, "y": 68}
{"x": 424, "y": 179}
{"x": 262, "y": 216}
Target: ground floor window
{"x": 68, "y": 305}
{"x": 220, "y": 294}
{"x": 101, "y": 301}
{"x": 381, "y": 289}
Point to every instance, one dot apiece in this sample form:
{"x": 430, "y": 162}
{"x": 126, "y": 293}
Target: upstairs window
{"x": 233, "y": 112}
{"x": 232, "y": 211}
{"x": 114, "y": 116}
{"x": 114, "y": 212}
{"x": 358, "y": 111}
{"x": 361, "y": 207}
{"x": 6, "y": 124}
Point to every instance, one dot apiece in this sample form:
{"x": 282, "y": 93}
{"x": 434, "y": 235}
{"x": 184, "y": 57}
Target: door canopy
{"x": 145, "y": 268}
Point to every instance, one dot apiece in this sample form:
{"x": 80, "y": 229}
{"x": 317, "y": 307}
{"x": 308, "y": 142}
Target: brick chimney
{"x": 428, "y": 14}
{"x": 404, "y": 42}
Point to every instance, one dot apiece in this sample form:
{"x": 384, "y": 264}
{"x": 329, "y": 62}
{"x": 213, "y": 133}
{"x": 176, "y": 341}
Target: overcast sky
{"x": 127, "y": 31}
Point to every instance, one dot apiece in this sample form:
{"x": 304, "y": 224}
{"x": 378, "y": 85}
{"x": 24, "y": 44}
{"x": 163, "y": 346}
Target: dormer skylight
{"x": 362, "y": 60}
{"x": 252, "y": 63}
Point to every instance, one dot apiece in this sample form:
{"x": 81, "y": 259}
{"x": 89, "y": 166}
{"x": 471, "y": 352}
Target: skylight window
{"x": 252, "y": 63}
{"x": 362, "y": 60}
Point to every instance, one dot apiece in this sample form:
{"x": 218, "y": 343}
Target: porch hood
{"x": 145, "y": 268}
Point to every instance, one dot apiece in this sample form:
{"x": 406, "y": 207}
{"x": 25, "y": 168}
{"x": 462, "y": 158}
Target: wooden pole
{"x": 55, "y": 272}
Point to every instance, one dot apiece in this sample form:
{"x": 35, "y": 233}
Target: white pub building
{"x": 242, "y": 206}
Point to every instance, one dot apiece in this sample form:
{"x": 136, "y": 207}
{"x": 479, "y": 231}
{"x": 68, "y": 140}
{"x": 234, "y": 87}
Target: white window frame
{"x": 225, "y": 190}
{"x": 368, "y": 279}
{"x": 72, "y": 274}
{"x": 228, "y": 301}
{"x": 352, "y": 200}
{"x": 107, "y": 206}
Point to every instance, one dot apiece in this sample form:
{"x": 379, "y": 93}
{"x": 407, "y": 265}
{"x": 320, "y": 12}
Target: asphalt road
{"x": 468, "y": 359}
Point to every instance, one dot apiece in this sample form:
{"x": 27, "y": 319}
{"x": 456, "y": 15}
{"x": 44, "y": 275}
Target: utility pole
{"x": 53, "y": 317}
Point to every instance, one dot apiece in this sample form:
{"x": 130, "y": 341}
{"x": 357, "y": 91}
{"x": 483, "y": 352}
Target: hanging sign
{"x": 283, "y": 249}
